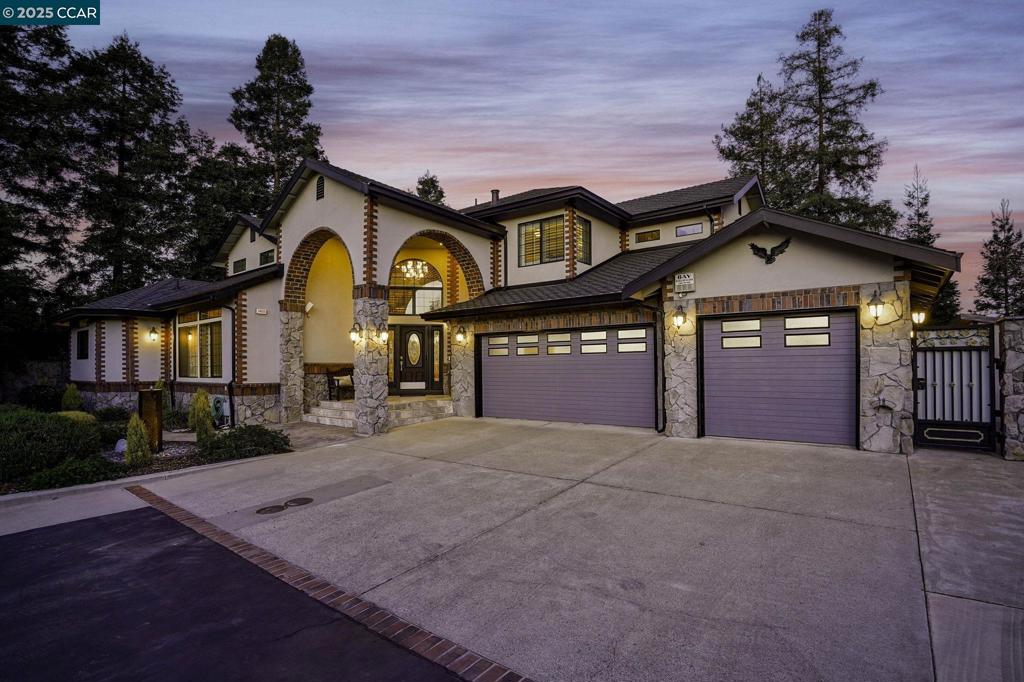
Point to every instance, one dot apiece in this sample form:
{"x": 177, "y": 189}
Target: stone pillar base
{"x": 370, "y": 374}
{"x": 292, "y": 369}
{"x": 681, "y": 418}
{"x": 463, "y": 373}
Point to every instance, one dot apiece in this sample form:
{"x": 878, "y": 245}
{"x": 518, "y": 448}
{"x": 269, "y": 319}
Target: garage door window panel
{"x": 588, "y": 349}
{"x": 636, "y": 347}
{"x": 808, "y": 322}
{"x": 808, "y": 340}
{"x": 741, "y": 326}
{"x": 736, "y": 342}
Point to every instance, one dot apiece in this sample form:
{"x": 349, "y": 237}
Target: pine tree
{"x": 1000, "y": 287}
{"x": 271, "y": 111}
{"x": 36, "y": 176}
{"x": 131, "y": 160}
{"x": 946, "y": 306}
{"x": 428, "y": 187}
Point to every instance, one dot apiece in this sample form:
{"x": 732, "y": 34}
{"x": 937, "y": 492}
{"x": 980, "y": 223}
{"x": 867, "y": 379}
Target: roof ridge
{"x": 745, "y": 178}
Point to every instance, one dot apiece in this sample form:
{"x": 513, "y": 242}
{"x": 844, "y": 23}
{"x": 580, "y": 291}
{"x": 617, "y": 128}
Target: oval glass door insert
{"x": 413, "y": 348}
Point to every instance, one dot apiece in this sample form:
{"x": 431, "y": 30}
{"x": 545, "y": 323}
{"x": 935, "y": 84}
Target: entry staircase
{"x": 402, "y": 411}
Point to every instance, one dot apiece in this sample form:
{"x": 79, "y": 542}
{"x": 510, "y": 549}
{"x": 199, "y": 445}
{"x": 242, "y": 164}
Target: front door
{"x": 418, "y": 358}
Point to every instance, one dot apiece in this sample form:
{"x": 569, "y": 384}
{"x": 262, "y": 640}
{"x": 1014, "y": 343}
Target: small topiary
{"x": 75, "y": 472}
{"x": 71, "y": 401}
{"x": 137, "y": 454}
{"x": 200, "y": 416}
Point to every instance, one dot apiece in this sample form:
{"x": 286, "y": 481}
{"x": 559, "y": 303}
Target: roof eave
{"x": 553, "y": 304}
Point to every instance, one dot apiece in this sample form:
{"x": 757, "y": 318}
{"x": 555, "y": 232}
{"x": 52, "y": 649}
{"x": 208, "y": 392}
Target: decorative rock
{"x": 121, "y": 446}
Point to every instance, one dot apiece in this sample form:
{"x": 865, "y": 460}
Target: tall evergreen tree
{"x": 272, "y": 111}
{"x": 428, "y": 187}
{"x": 132, "y": 158}
{"x": 35, "y": 178}
{"x": 823, "y": 160}
{"x": 1000, "y": 287}
{"x": 919, "y": 228}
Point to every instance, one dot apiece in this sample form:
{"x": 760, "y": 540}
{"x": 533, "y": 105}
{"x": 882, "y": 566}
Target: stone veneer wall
{"x": 292, "y": 368}
{"x": 462, "y": 372}
{"x": 370, "y": 375}
{"x": 968, "y": 336}
{"x": 681, "y": 399}
{"x": 1011, "y": 351}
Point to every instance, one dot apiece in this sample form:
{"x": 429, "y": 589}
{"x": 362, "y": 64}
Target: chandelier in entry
{"x": 413, "y": 268}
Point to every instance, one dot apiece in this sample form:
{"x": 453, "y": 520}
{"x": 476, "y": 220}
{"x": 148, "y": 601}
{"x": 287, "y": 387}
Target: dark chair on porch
{"x": 339, "y": 384}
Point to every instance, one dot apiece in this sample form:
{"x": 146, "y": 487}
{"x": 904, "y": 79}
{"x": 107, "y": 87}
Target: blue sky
{"x": 621, "y": 97}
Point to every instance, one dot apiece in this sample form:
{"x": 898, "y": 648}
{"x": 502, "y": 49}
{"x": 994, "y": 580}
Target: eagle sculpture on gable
{"x": 770, "y": 256}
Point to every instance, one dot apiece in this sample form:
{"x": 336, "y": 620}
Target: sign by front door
{"x": 685, "y": 282}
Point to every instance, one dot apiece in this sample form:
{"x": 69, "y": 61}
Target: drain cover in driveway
{"x": 298, "y": 501}
{"x": 272, "y": 509}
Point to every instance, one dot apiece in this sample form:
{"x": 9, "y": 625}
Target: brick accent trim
{"x": 239, "y": 389}
{"x": 623, "y": 240}
{"x": 570, "y": 242}
{"x": 300, "y": 264}
{"x": 166, "y": 349}
{"x": 241, "y": 337}
{"x": 467, "y": 664}
{"x": 496, "y": 263}
{"x": 462, "y": 256}
{"x": 129, "y": 344}
{"x": 100, "y": 351}
{"x": 327, "y": 367}
{"x": 797, "y": 299}
{"x": 591, "y": 317}
{"x": 114, "y": 386}
{"x": 378, "y": 291}
{"x": 369, "y": 239}
{"x": 452, "y": 279}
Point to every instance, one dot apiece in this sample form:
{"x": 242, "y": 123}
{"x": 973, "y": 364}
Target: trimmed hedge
{"x": 76, "y": 472}
{"x": 31, "y": 441}
{"x": 77, "y": 415}
{"x": 113, "y": 414}
{"x": 242, "y": 442}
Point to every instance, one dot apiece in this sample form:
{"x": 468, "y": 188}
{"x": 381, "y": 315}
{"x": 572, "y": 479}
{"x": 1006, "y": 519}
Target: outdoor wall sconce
{"x": 917, "y": 316}
{"x": 189, "y": 336}
{"x": 679, "y": 317}
{"x": 875, "y": 306}
{"x": 382, "y": 332}
{"x": 460, "y": 335}
{"x": 355, "y": 332}
{"x": 152, "y": 334}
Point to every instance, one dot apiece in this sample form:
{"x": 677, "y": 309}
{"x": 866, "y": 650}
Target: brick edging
{"x": 468, "y": 665}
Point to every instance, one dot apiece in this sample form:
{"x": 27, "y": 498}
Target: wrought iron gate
{"x": 954, "y": 396}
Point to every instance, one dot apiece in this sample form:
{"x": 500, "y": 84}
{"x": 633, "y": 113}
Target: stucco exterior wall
{"x": 395, "y": 227}
{"x": 263, "y": 343}
{"x": 809, "y": 262}
{"x": 329, "y": 288}
{"x": 82, "y": 370}
{"x": 530, "y": 273}
{"x": 149, "y": 351}
{"x": 604, "y": 242}
{"x": 668, "y": 232}
{"x": 341, "y": 210}
{"x": 113, "y": 341}
{"x": 250, "y": 251}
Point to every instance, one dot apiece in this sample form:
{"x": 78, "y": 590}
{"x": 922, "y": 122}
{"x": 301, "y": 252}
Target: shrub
{"x": 244, "y": 441}
{"x": 41, "y": 397}
{"x": 175, "y": 420}
{"x": 76, "y": 472}
{"x": 112, "y": 414}
{"x": 111, "y": 432}
{"x": 200, "y": 416}
{"x": 31, "y": 441}
{"x": 77, "y": 415}
{"x": 137, "y": 453}
{"x": 71, "y": 401}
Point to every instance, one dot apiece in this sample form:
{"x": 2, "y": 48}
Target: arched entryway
{"x": 317, "y": 312}
{"x": 431, "y": 269}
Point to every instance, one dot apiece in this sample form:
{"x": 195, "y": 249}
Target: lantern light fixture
{"x": 153, "y": 336}
{"x": 679, "y": 317}
{"x": 382, "y": 333}
{"x": 918, "y": 316}
{"x": 460, "y": 334}
{"x": 875, "y": 306}
{"x": 355, "y": 332}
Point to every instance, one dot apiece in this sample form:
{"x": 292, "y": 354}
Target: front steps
{"x": 401, "y": 411}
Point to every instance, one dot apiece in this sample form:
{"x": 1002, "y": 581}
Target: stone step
{"x": 337, "y": 404}
{"x": 329, "y": 421}
{"x": 337, "y": 412}
{"x": 400, "y": 413}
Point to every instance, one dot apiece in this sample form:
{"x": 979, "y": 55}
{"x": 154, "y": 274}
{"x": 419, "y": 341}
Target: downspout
{"x": 659, "y": 342}
{"x": 231, "y": 381}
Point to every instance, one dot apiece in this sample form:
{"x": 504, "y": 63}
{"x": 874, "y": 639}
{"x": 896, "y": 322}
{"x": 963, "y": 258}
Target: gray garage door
{"x": 597, "y": 376}
{"x": 783, "y": 377}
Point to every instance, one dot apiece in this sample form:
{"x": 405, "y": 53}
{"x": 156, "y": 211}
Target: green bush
{"x": 76, "y": 472}
{"x": 71, "y": 401}
{"x": 200, "y": 416}
{"x": 175, "y": 420}
{"x": 77, "y": 415}
{"x": 111, "y": 432}
{"x": 242, "y": 442}
{"x": 112, "y": 414}
{"x": 137, "y": 453}
{"x": 41, "y": 397}
{"x": 31, "y": 441}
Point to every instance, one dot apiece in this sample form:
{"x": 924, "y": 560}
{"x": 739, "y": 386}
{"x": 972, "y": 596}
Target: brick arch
{"x": 301, "y": 262}
{"x": 462, "y": 256}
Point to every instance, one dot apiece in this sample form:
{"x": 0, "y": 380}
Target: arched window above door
{"x": 414, "y": 287}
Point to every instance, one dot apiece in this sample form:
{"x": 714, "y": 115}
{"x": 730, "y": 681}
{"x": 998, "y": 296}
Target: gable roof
{"x": 240, "y": 222}
{"x": 709, "y": 192}
{"x": 521, "y": 196}
{"x": 602, "y": 283}
{"x": 385, "y": 194}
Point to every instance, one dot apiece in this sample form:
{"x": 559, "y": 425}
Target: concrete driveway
{"x": 570, "y": 552}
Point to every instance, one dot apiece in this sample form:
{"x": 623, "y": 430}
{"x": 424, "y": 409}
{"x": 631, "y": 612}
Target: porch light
{"x": 355, "y": 332}
{"x": 679, "y": 317}
{"x": 152, "y": 334}
{"x": 917, "y": 316}
{"x": 875, "y": 306}
{"x": 460, "y": 334}
{"x": 382, "y": 333}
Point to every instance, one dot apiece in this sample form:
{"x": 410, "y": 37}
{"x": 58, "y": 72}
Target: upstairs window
{"x": 542, "y": 241}
{"x": 319, "y": 188}
{"x": 582, "y": 235}
{"x": 647, "y": 236}
{"x": 238, "y": 266}
{"x": 267, "y": 257}
{"x": 82, "y": 344}
{"x": 686, "y": 230}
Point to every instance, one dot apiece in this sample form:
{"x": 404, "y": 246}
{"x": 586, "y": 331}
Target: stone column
{"x": 681, "y": 371}
{"x": 1011, "y": 350}
{"x": 292, "y": 368}
{"x": 463, "y": 372}
{"x": 886, "y": 374}
{"x": 370, "y": 374}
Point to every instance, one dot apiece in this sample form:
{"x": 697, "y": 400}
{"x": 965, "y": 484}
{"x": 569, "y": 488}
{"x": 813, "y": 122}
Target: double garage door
{"x": 595, "y": 376}
{"x": 782, "y": 377}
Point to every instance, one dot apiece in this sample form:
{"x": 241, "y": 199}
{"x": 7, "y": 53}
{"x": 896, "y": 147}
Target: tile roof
{"x": 605, "y": 279}
{"x": 521, "y": 196}
{"x": 709, "y": 191}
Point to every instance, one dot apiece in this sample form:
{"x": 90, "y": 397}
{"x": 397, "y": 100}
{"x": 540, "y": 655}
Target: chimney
{"x": 494, "y": 196}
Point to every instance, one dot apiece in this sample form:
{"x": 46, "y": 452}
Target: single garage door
{"x": 594, "y": 376}
{"x": 782, "y": 377}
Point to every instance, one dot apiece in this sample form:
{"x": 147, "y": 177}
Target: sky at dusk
{"x": 621, "y": 97}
